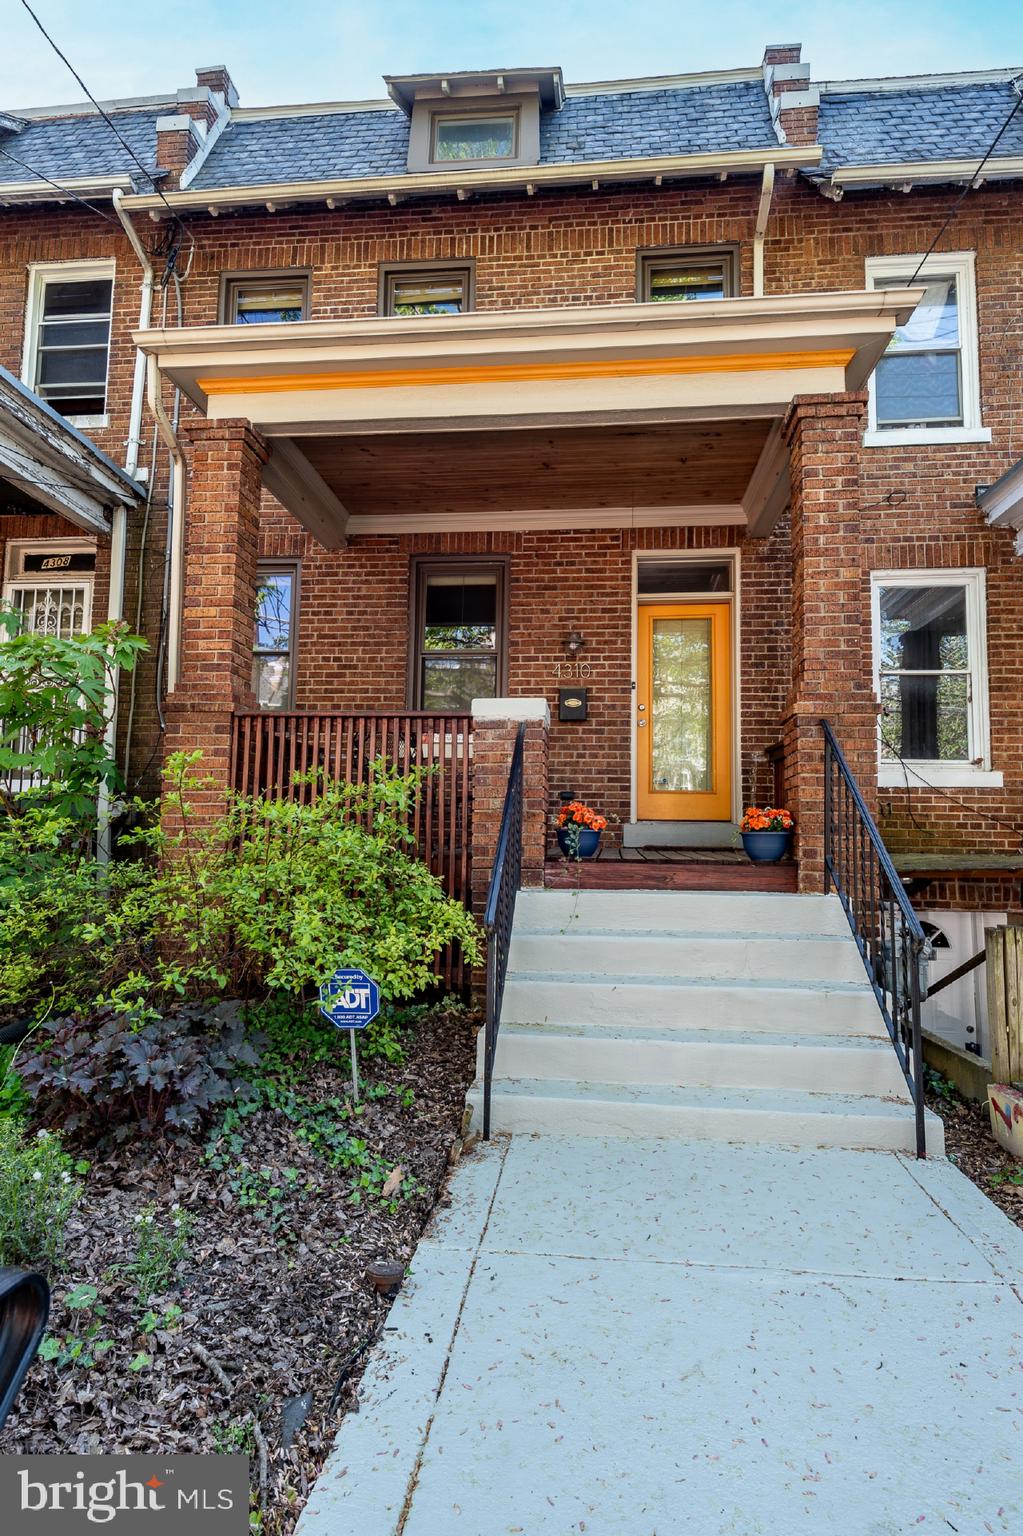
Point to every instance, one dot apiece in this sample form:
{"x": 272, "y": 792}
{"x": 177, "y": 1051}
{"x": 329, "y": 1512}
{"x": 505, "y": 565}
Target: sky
{"x": 334, "y": 50}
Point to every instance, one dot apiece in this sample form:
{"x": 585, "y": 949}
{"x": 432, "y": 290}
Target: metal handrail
{"x": 499, "y": 914}
{"x": 24, "y": 1309}
{"x": 888, "y": 934}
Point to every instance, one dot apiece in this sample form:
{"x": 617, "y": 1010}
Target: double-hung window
{"x": 67, "y": 337}
{"x": 930, "y": 668}
{"x": 458, "y": 650}
{"x": 273, "y": 661}
{"x": 926, "y": 388}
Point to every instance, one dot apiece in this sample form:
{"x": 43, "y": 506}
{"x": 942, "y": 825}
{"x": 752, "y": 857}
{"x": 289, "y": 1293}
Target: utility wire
{"x": 147, "y": 173}
{"x": 64, "y": 191}
{"x": 999, "y": 136}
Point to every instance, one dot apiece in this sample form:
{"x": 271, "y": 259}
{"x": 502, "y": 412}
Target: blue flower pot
{"x": 766, "y": 847}
{"x": 589, "y": 842}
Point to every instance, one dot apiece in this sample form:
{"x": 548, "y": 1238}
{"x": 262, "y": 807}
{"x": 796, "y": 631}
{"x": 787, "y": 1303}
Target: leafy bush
{"x": 56, "y": 697}
{"x": 38, "y": 1192}
{"x": 158, "y": 1252}
{"x": 112, "y": 1077}
{"x": 275, "y": 894}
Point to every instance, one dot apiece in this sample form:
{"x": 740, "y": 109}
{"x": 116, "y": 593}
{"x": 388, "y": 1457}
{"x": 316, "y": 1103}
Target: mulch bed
{"x": 274, "y": 1303}
{"x": 970, "y": 1145}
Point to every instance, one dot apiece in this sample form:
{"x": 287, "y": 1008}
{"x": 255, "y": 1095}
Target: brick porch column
{"x": 832, "y": 673}
{"x": 495, "y": 724}
{"x": 219, "y": 600}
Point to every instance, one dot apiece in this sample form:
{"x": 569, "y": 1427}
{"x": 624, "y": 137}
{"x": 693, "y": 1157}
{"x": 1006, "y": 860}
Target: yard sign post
{"x": 350, "y": 1000}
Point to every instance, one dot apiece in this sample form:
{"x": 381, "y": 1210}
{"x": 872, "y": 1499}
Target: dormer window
{"x": 475, "y": 121}
{"x": 473, "y": 138}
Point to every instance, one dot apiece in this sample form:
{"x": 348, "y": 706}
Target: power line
{"x": 1003, "y": 130}
{"x": 147, "y": 173}
{"x": 64, "y": 191}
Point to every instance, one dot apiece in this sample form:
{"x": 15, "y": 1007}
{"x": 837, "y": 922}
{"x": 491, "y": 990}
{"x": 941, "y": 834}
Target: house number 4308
{"x": 572, "y": 669}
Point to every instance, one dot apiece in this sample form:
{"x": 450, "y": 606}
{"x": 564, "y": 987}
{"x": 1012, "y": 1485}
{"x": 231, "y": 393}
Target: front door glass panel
{"x": 681, "y": 698}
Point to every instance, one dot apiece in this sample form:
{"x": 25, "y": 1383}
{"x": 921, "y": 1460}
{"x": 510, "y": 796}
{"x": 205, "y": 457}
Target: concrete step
{"x": 748, "y": 956}
{"x": 762, "y": 912}
{"x": 675, "y": 1002}
{"x": 772, "y": 1116}
{"x": 698, "y": 1058}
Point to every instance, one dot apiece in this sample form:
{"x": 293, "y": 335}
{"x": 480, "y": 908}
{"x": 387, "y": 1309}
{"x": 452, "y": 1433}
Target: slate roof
{"x": 598, "y": 126}
{"x": 83, "y": 145}
{"x": 942, "y": 122}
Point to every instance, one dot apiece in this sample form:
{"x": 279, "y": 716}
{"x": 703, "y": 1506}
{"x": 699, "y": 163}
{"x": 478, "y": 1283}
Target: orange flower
{"x": 766, "y": 819}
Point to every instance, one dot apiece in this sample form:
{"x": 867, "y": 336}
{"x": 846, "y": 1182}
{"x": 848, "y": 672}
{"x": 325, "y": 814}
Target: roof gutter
{"x": 909, "y": 173}
{"x": 337, "y": 191}
{"x": 36, "y": 191}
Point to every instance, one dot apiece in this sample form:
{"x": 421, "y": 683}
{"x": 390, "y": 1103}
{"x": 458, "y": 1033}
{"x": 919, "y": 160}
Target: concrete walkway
{"x": 648, "y": 1338}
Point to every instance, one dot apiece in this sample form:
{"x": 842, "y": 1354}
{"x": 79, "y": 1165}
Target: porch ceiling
{"x": 695, "y": 465}
{"x": 639, "y": 383}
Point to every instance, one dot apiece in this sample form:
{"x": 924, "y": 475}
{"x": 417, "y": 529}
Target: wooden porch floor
{"x": 669, "y": 869}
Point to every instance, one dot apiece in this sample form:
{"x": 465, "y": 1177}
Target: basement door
{"x": 684, "y": 712}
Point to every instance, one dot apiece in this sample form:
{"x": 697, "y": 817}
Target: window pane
{"x": 918, "y": 387}
{"x": 925, "y": 718}
{"x": 452, "y": 682}
{"x": 74, "y": 333}
{"x": 271, "y": 680}
{"x": 90, "y": 297}
{"x": 83, "y": 365}
{"x": 267, "y": 303}
{"x": 689, "y": 280}
{"x": 473, "y": 138}
{"x": 461, "y": 613}
{"x": 681, "y": 716}
{"x": 273, "y": 611}
{"x": 923, "y": 629}
{"x": 934, "y": 322}
{"x": 666, "y": 576}
{"x": 428, "y": 295}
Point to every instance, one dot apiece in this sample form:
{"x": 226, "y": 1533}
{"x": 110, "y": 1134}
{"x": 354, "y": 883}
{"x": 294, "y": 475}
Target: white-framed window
{"x": 273, "y": 650}
{"x": 926, "y": 388}
{"x": 930, "y": 677}
{"x": 67, "y": 337}
{"x": 49, "y": 583}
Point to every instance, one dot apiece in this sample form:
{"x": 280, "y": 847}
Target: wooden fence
{"x": 271, "y": 750}
{"x": 1005, "y": 1003}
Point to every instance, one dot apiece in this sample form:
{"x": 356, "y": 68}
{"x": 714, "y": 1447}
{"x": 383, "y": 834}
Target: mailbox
{"x": 572, "y": 703}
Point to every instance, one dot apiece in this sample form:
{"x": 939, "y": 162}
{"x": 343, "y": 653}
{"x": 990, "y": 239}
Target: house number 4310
{"x": 572, "y": 669}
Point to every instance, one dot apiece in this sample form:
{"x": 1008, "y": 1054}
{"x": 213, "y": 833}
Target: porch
{"x": 635, "y": 507}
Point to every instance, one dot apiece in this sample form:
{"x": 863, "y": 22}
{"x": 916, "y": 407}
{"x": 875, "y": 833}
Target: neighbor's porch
{"x": 593, "y": 470}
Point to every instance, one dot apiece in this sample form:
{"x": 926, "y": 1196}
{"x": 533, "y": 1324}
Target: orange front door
{"x": 684, "y": 712}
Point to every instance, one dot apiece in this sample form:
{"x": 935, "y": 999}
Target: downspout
{"x": 763, "y": 212}
{"x": 119, "y": 529}
{"x": 176, "y": 530}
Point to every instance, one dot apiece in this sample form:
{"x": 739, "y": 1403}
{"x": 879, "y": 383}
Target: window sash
{"x": 506, "y": 124}
{"x": 422, "y": 658}
{"x": 283, "y": 647}
{"x": 944, "y": 326}
{"x": 68, "y": 337}
{"x": 701, "y": 267}
{"x": 970, "y": 678}
{"x": 411, "y": 292}
{"x": 261, "y": 299}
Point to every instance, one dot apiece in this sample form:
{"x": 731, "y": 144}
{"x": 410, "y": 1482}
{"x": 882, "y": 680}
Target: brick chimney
{"x": 216, "y": 79}
{"x": 179, "y": 138}
{"x": 794, "y": 101}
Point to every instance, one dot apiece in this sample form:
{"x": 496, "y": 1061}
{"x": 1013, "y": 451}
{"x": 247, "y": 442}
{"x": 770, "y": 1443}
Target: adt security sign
{"x": 350, "y": 999}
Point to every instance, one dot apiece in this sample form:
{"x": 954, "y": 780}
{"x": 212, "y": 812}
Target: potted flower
{"x": 579, "y": 828}
{"x": 767, "y": 833}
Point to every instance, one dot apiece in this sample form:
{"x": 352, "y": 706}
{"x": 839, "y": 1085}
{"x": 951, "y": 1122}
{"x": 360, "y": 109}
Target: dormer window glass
{"x": 464, "y": 139}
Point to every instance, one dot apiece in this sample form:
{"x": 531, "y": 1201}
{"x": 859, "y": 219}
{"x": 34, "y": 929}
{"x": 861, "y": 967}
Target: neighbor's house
{"x": 688, "y": 405}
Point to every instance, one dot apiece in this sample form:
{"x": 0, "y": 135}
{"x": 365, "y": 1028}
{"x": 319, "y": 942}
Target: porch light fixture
{"x": 575, "y": 643}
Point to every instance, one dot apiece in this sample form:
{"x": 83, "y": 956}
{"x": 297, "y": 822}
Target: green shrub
{"x": 56, "y": 696}
{"x": 110, "y": 1077}
{"x": 160, "y": 1251}
{"x": 38, "y": 1191}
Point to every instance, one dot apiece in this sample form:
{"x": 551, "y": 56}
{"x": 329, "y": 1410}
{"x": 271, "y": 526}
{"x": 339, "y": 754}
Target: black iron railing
{"x": 500, "y": 913}
{"x": 887, "y": 931}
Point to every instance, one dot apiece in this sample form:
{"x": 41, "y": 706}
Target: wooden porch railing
{"x": 271, "y": 749}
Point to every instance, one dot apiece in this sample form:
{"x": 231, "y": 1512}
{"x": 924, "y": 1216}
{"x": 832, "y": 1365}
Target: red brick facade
{"x": 804, "y": 635}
